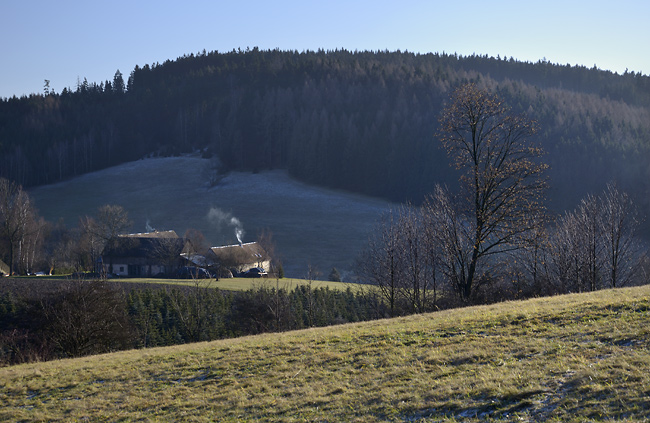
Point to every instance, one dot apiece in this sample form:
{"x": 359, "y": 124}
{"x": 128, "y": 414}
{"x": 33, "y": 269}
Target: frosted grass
{"x": 310, "y": 225}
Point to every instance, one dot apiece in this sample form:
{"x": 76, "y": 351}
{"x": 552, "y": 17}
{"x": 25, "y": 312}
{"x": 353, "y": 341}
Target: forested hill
{"x": 361, "y": 121}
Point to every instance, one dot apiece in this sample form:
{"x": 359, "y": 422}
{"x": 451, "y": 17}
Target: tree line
{"x": 419, "y": 257}
{"x": 45, "y": 320}
{"x": 493, "y": 238}
{"x": 30, "y": 244}
{"x": 360, "y": 121}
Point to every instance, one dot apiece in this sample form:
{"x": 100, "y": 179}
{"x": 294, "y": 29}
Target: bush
{"x": 87, "y": 317}
{"x": 334, "y": 275}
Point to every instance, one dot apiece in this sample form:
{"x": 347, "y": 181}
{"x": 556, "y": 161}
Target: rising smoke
{"x": 148, "y": 226}
{"x": 220, "y": 219}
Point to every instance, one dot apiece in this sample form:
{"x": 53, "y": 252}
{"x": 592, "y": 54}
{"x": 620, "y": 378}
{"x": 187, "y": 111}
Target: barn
{"x": 144, "y": 254}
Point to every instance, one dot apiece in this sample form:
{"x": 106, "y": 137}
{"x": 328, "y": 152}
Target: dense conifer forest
{"x": 360, "y": 121}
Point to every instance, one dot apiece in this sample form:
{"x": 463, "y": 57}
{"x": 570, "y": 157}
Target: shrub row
{"x": 72, "y": 318}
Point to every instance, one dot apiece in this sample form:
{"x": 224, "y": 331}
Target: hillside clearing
{"x": 575, "y": 357}
{"x": 311, "y": 226}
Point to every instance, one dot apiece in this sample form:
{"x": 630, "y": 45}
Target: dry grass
{"x": 570, "y": 358}
{"x": 229, "y": 284}
{"x": 243, "y": 284}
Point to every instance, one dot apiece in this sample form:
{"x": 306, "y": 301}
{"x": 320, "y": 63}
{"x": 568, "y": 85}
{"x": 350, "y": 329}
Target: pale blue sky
{"x": 68, "y": 39}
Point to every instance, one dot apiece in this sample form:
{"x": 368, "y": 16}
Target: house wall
{"x": 120, "y": 269}
{"x": 153, "y": 270}
{"x": 4, "y": 269}
{"x": 139, "y": 270}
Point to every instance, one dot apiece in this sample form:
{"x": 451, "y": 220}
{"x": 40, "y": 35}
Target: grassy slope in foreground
{"x": 582, "y": 357}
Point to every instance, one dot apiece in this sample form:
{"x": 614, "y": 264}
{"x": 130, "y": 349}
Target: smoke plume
{"x": 148, "y": 226}
{"x": 220, "y": 220}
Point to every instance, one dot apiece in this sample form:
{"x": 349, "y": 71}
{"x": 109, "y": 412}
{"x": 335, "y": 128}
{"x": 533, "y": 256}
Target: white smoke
{"x": 148, "y": 226}
{"x": 239, "y": 231}
{"x": 220, "y": 219}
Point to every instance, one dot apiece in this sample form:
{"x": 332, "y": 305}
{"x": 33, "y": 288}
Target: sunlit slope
{"x": 575, "y": 357}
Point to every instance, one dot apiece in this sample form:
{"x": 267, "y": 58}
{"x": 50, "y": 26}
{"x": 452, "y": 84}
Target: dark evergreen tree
{"x": 118, "y": 83}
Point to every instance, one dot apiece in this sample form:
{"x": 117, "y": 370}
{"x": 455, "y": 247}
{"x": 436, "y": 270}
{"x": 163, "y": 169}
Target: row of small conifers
{"x": 46, "y": 319}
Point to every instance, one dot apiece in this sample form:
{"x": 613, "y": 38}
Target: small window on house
{"x": 121, "y": 268}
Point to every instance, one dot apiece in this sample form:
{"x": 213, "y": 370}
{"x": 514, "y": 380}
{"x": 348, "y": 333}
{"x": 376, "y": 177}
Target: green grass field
{"x": 581, "y": 357}
{"x": 229, "y": 284}
{"x": 243, "y": 284}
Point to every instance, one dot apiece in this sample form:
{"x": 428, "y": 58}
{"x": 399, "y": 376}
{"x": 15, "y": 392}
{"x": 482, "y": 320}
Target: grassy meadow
{"x": 228, "y": 284}
{"x": 243, "y": 284}
{"x": 580, "y": 357}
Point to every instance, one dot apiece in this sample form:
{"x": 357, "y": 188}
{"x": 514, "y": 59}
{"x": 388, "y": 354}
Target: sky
{"x": 65, "y": 41}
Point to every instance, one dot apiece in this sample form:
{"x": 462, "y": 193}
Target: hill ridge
{"x": 359, "y": 121}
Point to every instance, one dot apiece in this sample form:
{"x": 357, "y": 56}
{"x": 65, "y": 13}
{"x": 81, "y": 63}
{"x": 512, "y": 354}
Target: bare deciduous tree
{"x": 528, "y": 265}
{"x": 266, "y": 241}
{"x": 87, "y": 317}
{"x": 562, "y": 259}
{"x": 379, "y": 263}
{"x": 59, "y": 247}
{"x": 195, "y": 250}
{"x": 90, "y": 244}
{"x": 620, "y": 222}
{"x": 400, "y": 261}
{"x": 16, "y": 214}
{"x": 414, "y": 255}
{"x": 167, "y": 251}
{"x": 587, "y": 220}
{"x": 577, "y": 248}
{"x": 594, "y": 246}
{"x": 501, "y": 176}
{"x": 98, "y": 233}
{"x": 449, "y": 231}
{"x": 112, "y": 220}
{"x": 31, "y": 246}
